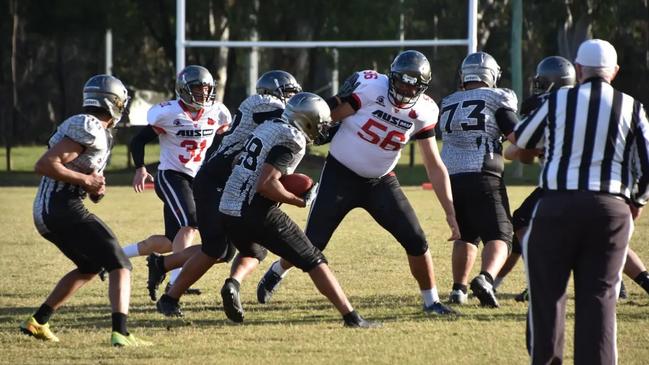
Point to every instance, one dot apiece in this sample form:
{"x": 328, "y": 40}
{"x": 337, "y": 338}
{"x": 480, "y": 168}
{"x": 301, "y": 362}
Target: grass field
{"x": 299, "y": 326}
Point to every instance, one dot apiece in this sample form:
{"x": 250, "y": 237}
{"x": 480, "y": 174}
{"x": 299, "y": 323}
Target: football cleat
{"x": 354, "y": 320}
{"x": 267, "y": 286}
{"x": 155, "y": 263}
{"x": 484, "y": 292}
{"x": 458, "y": 297}
{"x": 167, "y": 306}
{"x": 102, "y": 274}
{"x": 522, "y": 296}
{"x": 232, "y": 301}
{"x": 189, "y": 291}
{"x": 119, "y": 340}
{"x": 40, "y": 331}
{"x": 623, "y": 294}
{"x": 438, "y": 308}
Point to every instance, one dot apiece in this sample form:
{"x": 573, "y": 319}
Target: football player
{"x": 273, "y": 89}
{"x": 379, "y": 114}
{"x": 186, "y": 128}
{"x": 473, "y": 122}
{"x": 72, "y": 168}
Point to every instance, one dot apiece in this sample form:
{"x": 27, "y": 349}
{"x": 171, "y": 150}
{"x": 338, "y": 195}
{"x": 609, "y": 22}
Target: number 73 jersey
{"x": 472, "y": 139}
{"x": 184, "y": 137}
{"x": 369, "y": 142}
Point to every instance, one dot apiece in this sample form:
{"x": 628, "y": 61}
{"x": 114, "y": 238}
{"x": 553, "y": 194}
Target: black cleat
{"x": 232, "y": 300}
{"x": 189, "y": 291}
{"x": 267, "y": 286}
{"x": 523, "y": 296}
{"x": 354, "y": 320}
{"x": 623, "y": 294}
{"x": 168, "y": 306}
{"x": 155, "y": 263}
{"x": 441, "y": 310}
{"x": 102, "y": 274}
{"x": 484, "y": 292}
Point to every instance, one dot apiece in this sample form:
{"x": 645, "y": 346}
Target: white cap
{"x": 596, "y": 53}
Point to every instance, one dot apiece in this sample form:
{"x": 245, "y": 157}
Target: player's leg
{"x": 636, "y": 270}
{"x": 154, "y": 243}
{"x": 463, "y": 258}
{"x": 389, "y": 206}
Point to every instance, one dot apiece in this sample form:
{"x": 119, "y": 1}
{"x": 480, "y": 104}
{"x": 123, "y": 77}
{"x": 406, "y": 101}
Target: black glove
{"x": 311, "y": 194}
{"x": 96, "y": 198}
{"x": 348, "y": 87}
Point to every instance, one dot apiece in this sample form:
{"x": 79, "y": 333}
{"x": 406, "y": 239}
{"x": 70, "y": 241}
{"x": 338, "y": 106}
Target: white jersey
{"x": 472, "y": 139}
{"x": 253, "y": 111}
{"x": 241, "y": 186}
{"x": 369, "y": 142}
{"x": 185, "y": 138}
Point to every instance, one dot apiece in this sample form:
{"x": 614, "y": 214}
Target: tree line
{"x": 48, "y": 49}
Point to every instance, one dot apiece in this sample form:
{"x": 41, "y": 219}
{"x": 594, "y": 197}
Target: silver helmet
{"x": 552, "y": 73}
{"x": 409, "y": 77}
{"x": 196, "y": 76}
{"x": 480, "y": 67}
{"x": 278, "y": 83}
{"x": 309, "y": 113}
{"x": 108, "y": 93}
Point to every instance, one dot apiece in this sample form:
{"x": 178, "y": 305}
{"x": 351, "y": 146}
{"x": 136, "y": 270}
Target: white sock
{"x": 131, "y": 250}
{"x": 278, "y": 269}
{"x": 499, "y": 280}
{"x": 429, "y": 296}
{"x": 174, "y": 275}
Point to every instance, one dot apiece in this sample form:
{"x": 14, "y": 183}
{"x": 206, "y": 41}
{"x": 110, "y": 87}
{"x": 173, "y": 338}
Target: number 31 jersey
{"x": 472, "y": 139}
{"x": 369, "y": 142}
{"x": 185, "y": 138}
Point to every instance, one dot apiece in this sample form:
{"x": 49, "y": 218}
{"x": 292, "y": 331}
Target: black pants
{"x": 586, "y": 234}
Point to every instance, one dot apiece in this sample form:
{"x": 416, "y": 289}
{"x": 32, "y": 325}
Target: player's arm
{"x": 438, "y": 176}
{"x": 513, "y": 152}
{"x": 269, "y": 185}
{"x": 52, "y": 164}
{"x": 146, "y": 135}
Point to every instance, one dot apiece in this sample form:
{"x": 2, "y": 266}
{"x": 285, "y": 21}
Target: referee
{"x": 596, "y": 142}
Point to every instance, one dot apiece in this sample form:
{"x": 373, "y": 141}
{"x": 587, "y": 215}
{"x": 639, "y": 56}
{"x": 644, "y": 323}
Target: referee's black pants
{"x": 585, "y": 233}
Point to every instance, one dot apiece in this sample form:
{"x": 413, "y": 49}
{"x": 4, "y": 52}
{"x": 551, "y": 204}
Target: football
{"x": 297, "y": 184}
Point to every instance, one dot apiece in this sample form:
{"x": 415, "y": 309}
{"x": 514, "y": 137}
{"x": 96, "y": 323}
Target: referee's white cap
{"x": 596, "y": 53}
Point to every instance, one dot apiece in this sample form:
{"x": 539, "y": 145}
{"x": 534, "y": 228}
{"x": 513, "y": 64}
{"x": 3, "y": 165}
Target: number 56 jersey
{"x": 472, "y": 138}
{"x": 184, "y": 138}
{"x": 369, "y": 142}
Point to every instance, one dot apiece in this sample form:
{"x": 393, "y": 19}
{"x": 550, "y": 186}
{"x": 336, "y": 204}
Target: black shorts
{"x": 342, "y": 190}
{"x": 62, "y": 219}
{"x": 274, "y": 230}
{"x": 175, "y": 190}
{"x": 522, "y": 216}
{"x": 481, "y": 208}
{"x": 214, "y": 242}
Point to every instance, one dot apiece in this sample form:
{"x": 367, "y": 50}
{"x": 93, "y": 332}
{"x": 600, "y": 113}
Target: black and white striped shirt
{"x": 595, "y": 138}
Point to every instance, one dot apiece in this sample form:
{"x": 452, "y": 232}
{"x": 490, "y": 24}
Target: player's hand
{"x": 455, "y": 229}
{"x": 311, "y": 194}
{"x": 141, "y": 177}
{"x": 635, "y": 211}
{"x": 348, "y": 87}
{"x": 98, "y": 196}
{"x": 94, "y": 182}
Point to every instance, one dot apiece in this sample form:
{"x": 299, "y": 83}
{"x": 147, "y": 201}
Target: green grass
{"x": 299, "y": 326}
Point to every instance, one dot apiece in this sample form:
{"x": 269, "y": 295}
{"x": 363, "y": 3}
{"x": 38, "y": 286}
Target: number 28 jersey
{"x": 369, "y": 142}
{"x": 472, "y": 139}
{"x": 185, "y": 138}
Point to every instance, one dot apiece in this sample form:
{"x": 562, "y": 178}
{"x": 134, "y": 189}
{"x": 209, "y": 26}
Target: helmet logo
{"x": 408, "y": 79}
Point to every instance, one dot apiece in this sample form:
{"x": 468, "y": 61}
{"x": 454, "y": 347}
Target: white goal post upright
{"x": 181, "y": 43}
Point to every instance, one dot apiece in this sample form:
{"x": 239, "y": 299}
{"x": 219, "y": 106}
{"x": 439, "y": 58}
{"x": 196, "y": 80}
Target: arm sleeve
{"x": 280, "y": 157}
{"x": 261, "y": 117}
{"x": 506, "y": 120}
{"x": 146, "y": 135}
{"x": 427, "y": 132}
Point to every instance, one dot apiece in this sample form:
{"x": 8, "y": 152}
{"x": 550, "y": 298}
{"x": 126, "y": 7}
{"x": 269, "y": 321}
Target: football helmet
{"x": 409, "y": 78}
{"x": 309, "y": 113}
{"x": 108, "y": 93}
{"x": 192, "y": 77}
{"x": 278, "y": 83}
{"x": 480, "y": 67}
{"x": 552, "y": 73}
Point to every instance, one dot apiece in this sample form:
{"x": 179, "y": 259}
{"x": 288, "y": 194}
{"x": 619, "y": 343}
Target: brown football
{"x": 297, "y": 183}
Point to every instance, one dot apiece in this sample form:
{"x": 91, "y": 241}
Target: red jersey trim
{"x": 188, "y": 111}
{"x": 158, "y": 130}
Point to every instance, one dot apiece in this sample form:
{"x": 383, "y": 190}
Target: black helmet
{"x": 191, "y": 76}
{"x": 552, "y": 73}
{"x": 409, "y": 78}
{"x": 108, "y": 93}
{"x": 278, "y": 83}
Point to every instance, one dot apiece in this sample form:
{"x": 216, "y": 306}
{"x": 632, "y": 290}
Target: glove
{"x": 311, "y": 194}
{"x": 96, "y": 198}
{"x": 348, "y": 86}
